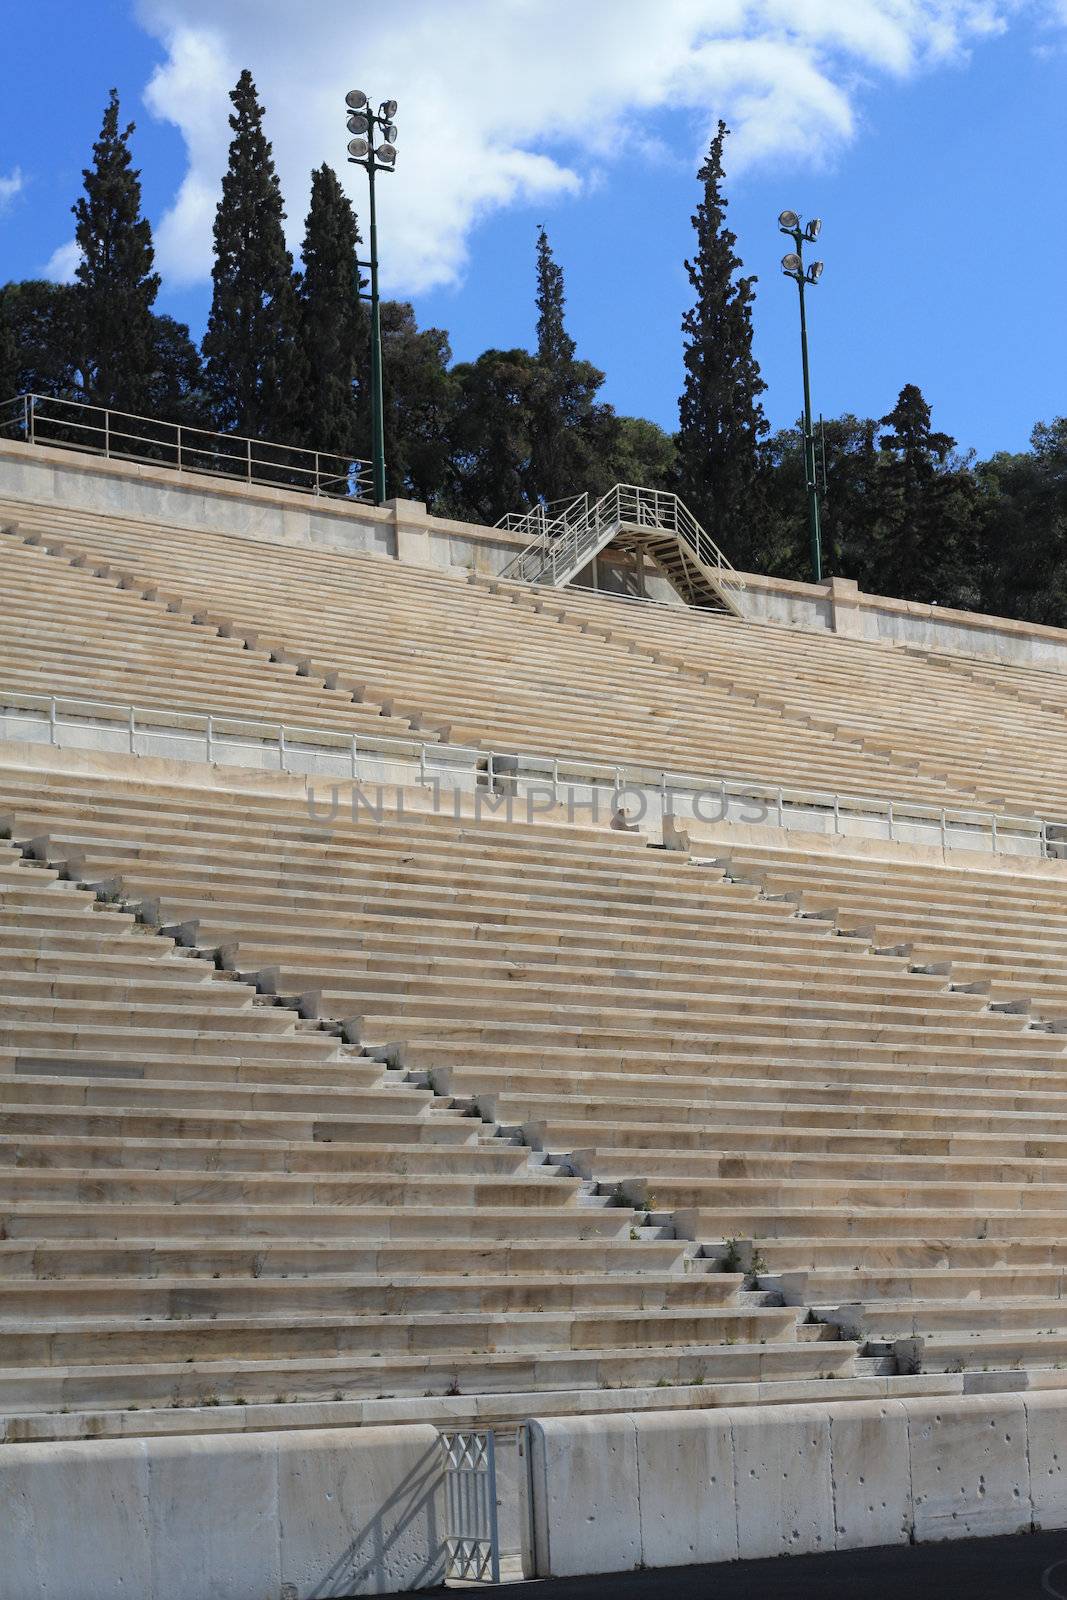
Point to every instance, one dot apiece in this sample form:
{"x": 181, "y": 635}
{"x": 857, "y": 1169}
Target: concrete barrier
{"x": 674, "y": 1488}
{"x": 267, "y": 1516}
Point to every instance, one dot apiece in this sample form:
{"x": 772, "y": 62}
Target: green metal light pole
{"x": 793, "y": 267}
{"x": 363, "y": 122}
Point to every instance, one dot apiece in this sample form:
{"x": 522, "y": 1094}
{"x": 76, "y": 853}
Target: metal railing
{"x": 122, "y": 436}
{"x": 565, "y": 541}
{"x": 219, "y": 733}
{"x": 566, "y": 779}
{"x": 547, "y": 517}
{"x": 472, "y": 1533}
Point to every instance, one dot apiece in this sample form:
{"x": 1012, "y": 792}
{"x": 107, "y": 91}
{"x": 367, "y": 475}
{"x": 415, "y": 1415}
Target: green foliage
{"x": 731, "y": 1257}
{"x": 418, "y": 395}
{"x": 116, "y": 287}
{"x": 174, "y": 383}
{"x": 491, "y": 434}
{"x": 1024, "y": 528}
{"x": 41, "y": 335}
{"x": 41, "y": 339}
{"x": 9, "y": 355}
{"x": 847, "y": 447}
{"x": 334, "y": 324}
{"x": 924, "y": 544}
{"x": 720, "y": 412}
{"x": 640, "y": 452}
{"x": 254, "y": 364}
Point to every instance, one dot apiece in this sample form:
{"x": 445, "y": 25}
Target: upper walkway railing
{"x": 122, "y": 436}
{"x": 566, "y": 534}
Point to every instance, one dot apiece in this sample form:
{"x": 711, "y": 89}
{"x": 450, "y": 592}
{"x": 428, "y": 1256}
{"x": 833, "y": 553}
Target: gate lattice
{"x": 472, "y": 1536}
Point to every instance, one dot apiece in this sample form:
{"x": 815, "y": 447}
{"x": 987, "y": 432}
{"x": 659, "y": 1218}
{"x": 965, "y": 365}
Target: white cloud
{"x": 60, "y": 265}
{"x": 518, "y": 100}
{"x": 11, "y": 187}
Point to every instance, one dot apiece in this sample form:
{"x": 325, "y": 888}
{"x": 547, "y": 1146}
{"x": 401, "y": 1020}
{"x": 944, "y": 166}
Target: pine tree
{"x": 335, "y": 328}
{"x": 116, "y": 287}
{"x": 572, "y": 434}
{"x": 720, "y": 412}
{"x": 926, "y": 524}
{"x": 253, "y": 362}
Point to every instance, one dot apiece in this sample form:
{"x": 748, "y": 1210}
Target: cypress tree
{"x": 555, "y": 347}
{"x": 116, "y": 287}
{"x": 253, "y": 363}
{"x": 572, "y": 435}
{"x": 335, "y": 329}
{"x": 720, "y": 412}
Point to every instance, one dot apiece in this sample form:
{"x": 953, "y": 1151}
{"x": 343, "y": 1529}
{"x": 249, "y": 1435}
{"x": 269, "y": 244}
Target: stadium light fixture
{"x": 361, "y": 120}
{"x": 789, "y": 222}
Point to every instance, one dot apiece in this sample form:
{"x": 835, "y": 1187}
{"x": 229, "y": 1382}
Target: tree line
{"x": 285, "y": 357}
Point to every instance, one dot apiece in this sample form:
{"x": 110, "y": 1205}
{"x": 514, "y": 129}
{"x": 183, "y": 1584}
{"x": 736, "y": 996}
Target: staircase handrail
{"x": 565, "y": 539}
{"x": 546, "y": 515}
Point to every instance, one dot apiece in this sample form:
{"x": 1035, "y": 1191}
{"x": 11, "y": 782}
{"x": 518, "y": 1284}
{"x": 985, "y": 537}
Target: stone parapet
{"x": 611, "y": 1494}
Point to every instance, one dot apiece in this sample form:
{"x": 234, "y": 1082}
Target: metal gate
{"x": 472, "y": 1537}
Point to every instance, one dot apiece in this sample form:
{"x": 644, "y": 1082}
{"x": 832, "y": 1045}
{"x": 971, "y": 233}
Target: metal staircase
{"x": 565, "y": 535}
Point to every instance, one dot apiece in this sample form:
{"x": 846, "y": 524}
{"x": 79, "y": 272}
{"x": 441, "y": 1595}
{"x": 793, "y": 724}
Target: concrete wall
{"x": 838, "y": 606}
{"x": 405, "y": 531}
{"x": 268, "y": 1516}
{"x": 672, "y": 1488}
{"x": 402, "y": 529}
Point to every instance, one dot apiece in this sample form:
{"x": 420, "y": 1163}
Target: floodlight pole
{"x": 375, "y": 121}
{"x": 799, "y": 238}
{"x": 377, "y": 393}
{"x": 814, "y": 518}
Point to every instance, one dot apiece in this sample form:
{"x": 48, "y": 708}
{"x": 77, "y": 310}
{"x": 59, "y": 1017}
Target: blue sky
{"x": 937, "y": 170}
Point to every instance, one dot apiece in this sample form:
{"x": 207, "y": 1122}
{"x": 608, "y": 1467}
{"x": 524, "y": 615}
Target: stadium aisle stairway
{"x": 691, "y": 1048}
{"x": 206, "y": 1200}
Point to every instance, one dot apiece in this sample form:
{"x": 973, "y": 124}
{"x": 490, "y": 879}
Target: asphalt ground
{"x": 1019, "y": 1567}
